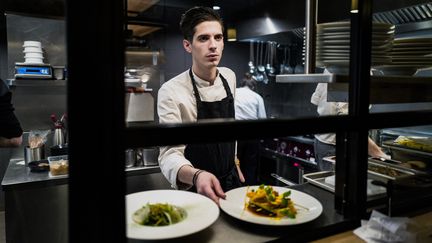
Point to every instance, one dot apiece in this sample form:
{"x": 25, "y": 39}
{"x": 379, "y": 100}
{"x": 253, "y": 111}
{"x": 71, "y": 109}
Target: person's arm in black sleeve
{"x": 10, "y": 127}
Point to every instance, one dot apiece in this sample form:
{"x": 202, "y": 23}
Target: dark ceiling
{"x": 231, "y": 10}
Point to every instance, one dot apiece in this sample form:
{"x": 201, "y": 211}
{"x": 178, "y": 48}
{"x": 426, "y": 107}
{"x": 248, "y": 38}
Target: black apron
{"x": 216, "y": 158}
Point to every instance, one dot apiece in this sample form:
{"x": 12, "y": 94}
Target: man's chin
{"x": 213, "y": 64}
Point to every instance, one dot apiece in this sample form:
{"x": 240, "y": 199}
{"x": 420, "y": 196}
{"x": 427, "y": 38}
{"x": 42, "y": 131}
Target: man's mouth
{"x": 212, "y": 57}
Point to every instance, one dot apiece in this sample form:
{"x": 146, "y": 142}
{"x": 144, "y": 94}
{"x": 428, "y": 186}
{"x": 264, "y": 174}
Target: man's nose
{"x": 213, "y": 44}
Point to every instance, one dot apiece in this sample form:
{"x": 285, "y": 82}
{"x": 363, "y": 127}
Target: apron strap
{"x": 196, "y": 94}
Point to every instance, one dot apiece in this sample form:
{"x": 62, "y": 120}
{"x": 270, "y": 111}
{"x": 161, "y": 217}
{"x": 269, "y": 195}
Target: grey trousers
{"x": 323, "y": 150}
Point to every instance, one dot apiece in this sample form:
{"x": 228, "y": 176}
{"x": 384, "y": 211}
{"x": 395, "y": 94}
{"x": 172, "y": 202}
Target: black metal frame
{"x": 95, "y": 101}
{"x": 351, "y": 169}
{"x": 98, "y": 134}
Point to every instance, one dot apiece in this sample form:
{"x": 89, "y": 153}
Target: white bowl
{"x": 33, "y": 55}
{"x": 33, "y": 60}
{"x": 32, "y": 49}
{"x": 32, "y": 43}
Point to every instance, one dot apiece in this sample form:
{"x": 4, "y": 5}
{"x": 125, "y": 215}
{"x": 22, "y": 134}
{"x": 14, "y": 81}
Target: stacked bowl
{"x": 33, "y": 52}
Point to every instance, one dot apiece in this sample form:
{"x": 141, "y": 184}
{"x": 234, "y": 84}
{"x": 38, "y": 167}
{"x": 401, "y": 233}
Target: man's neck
{"x": 208, "y": 75}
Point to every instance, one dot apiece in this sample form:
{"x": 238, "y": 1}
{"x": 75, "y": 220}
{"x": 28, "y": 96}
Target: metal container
{"x": 33, "y": 154}
{"x": 58, "y": 137}
{"x": 59, "y": 72}
{"x": 130, "y": 158}
{"x": 148, "y": 156}
{"x": 385, "y": 172}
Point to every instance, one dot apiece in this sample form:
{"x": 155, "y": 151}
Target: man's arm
{"x": 10, "y": 142}
{"x": 10, "y": 127}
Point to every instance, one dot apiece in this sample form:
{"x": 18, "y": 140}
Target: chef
{"x": 204, "y": 91}
{"x": 325, "y": 144}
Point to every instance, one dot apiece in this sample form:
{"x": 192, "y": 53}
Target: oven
{"x": 286, "y": 159}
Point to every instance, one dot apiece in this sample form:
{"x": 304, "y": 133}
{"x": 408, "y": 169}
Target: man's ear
{"x": 187, "y": 46}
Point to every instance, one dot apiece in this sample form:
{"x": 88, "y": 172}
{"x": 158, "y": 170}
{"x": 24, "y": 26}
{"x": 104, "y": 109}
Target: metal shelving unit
{"x": 36, "y": 83}
{"x": 384, "y": 89}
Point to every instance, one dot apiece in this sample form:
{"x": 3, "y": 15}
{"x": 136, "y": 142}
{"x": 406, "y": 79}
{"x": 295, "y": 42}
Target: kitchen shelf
{"x": 419, "y": 131}
{"x": 404, "y": 89}
{"x": 36, "y": 82}
{"x": 394, "y": 146}
{"x": 338, "y": 78}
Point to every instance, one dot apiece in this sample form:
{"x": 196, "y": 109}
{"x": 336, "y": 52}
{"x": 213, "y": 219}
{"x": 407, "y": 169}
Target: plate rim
{"x": 321, "y": 208}
{"x": 210, "y": 220}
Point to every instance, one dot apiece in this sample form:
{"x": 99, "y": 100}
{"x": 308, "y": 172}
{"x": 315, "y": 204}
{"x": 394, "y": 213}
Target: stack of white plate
{"x": 333, "y": 45}
{"x": 408, "y": 54}
{"x": 33, "y": 53}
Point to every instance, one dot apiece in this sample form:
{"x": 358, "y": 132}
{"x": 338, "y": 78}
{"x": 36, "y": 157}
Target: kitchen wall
{"x": 50, "y": 32}
{"x": 35, "y": 103}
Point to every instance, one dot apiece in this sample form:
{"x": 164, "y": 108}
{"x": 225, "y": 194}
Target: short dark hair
{"x": 195, "y": 16}
{"x": 249, "y": 81}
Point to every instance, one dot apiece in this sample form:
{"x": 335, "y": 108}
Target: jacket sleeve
{"x": 10, "y": 127}
{"x": 171, "y": 158}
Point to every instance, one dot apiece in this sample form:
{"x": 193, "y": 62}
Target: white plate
{"x": 397, "y": 70}
{"x": 411, "y": 40}
{"x": 235, "y": 202}
{"x": 201, "y": 213}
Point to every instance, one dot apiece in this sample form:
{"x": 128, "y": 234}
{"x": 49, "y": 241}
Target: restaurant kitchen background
{"x": 155, "y": 52}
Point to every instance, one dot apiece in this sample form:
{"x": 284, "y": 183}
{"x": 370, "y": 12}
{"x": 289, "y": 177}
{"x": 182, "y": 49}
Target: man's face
{"x": 207, "y": 44}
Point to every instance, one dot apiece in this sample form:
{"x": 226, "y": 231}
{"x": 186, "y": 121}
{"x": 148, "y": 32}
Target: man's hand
{"x": 375, "y": 151}
{"x": 208, "y": 185}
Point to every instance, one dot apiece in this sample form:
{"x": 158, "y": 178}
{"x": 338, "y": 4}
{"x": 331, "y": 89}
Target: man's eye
{"x": 203, "y": 38}
{"x": 219, "y": 37}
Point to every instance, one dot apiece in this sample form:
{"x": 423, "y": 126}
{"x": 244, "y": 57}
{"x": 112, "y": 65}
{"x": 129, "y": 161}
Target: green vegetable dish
{"x": 158, "y": 214}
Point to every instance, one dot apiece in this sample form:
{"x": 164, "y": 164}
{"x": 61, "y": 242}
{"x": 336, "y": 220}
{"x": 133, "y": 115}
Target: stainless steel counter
{"x": 18, "y": 175}
{"x": 35, "y": 201}
{"x": 229, "y": 229}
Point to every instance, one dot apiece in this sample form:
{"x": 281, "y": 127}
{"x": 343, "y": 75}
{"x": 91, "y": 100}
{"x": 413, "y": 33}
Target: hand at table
{"x": 208, "y": 185}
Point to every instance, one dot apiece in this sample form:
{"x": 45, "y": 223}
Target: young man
{"x": 201, "y": 92}
{"x": 10, "y": 128}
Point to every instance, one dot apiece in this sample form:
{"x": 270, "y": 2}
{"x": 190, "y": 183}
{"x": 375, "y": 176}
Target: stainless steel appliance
{"x": 142, "y": 80}
{"x": 33, "y": 71}
{"x": 287, "y": 157}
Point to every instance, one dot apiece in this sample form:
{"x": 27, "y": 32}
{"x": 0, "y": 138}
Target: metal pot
{"x": 130, "y": 158}
{"x": 148, "y": 156}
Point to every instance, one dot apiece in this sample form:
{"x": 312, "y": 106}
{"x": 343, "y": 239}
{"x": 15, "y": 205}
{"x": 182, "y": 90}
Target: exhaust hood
{"x": 287, "y": 27}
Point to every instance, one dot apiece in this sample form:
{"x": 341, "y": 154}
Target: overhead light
{"x": 354, "y": 6}
{"x": 270, "y": 25}
{"x": 232, "y": 34}
{"x": 215, "y": 7}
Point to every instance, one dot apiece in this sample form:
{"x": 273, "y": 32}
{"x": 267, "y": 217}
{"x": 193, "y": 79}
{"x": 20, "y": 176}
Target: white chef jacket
{"x": 177, "y": 104}
{"x": 319, "y": 98}
{"x": 248, "y": 104}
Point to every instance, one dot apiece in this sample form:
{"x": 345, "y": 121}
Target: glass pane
{"x": 407, "y": 174}
{"x": 401, "y": 72}
{"x": 34, "y": 173}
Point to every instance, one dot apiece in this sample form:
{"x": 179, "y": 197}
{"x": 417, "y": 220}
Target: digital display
{"x": 33, "y": 70}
